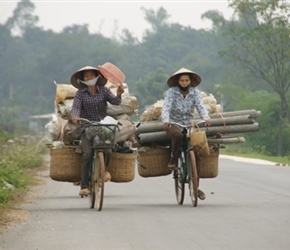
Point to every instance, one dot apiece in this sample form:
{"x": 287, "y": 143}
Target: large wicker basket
{"x": 208, "y": 165}
{"x": 65, "y": 165}
{"x": 154, "y": 162}
{"x": 122, "y": 167}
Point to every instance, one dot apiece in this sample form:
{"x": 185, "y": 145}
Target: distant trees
{"x": 259, "y": 42}
{"x": 158, "y": 19}
{"x": 22, "y": 18}
{"x": 33, "y": 58}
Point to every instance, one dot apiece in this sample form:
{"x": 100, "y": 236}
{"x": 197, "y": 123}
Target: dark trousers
{"x": 176, "y": 136}
{"x": 87, "y": 160}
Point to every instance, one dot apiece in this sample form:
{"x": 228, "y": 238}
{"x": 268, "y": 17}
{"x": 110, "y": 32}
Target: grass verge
{"x": 18, "y": 171}
{"x": 234, "y": 150}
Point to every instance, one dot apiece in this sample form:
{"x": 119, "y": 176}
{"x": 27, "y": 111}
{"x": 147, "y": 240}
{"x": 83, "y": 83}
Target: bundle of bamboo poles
{"x": 222, "y": 126}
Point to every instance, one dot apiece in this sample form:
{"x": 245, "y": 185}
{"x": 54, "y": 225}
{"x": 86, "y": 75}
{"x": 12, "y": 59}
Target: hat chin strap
{"x": 91, "y": 82}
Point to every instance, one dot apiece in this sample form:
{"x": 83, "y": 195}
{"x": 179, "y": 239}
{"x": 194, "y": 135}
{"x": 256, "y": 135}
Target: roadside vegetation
{"x": 237, "y": 150}
{"x": 19, "y": 162}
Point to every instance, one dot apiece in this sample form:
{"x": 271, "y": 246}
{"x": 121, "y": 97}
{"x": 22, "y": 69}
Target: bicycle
{"x": 101, "y": 137}
{"x": 186, "y": 171}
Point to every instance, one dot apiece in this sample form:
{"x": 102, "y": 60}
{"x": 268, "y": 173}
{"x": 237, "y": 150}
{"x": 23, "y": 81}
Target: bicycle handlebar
{"x": 180, "y": 125}
{"x": 96, "y": 123}
{"x": 187, "y": 126}
{"x": 85, "y": 120}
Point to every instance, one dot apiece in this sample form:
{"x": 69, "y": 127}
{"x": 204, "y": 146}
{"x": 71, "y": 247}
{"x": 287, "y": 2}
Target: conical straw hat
{"x": 194, "y": 77}
{"x": 75, "y": 76}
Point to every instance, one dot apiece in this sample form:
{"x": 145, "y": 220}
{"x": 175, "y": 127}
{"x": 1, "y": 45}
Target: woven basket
{"x": 122, "y": 167}
{"x": 208, "y": 165}
{"x": 154, "y": 162}
{"x": 198, "y": 141}
{"x": 65, "y": 165}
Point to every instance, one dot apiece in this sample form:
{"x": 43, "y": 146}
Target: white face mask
{"x": 91, "y": 82}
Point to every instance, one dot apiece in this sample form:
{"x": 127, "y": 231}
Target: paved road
{"x": 247, "y": 207}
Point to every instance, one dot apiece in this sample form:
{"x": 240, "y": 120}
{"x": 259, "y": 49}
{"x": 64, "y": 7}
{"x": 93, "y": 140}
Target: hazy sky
{"x": 111, "y": 17}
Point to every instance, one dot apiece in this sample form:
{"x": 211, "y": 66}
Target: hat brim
{"x": 77, "y": 75}
{"x": 112, "y": 73}
{"x": 194, "y": 77}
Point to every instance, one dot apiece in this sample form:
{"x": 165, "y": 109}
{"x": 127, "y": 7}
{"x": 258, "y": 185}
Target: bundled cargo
{"x": 126, "y": 131}
{"x": 54, "y": 128}
{"x": 129, "y": 103}
{"x": 223, "y": 124}
{"x": 222, "y": 130}
{"x": 210, "y": 103}
{"x": 129, "y": 106}
{"x": 65, "y": 136}
{"x": 61, "y": 128}
{"x": 150, "y": 134}
{"x": 153, "y": 113}
{"x": 64, "y": 99}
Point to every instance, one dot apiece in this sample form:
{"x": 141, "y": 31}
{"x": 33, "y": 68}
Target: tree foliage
{"x": 259, "y": 41}
{"x": 33, "y": 58}
{"x": 22, "y": 18}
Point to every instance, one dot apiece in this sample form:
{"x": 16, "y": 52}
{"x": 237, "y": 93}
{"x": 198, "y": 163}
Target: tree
{"x": 22, "y": 17}
{"x": 151, "y": 89}
{"x": 259, "y": 33}
{"x": 127, "y": 37}
{"x": 156, "y": 19}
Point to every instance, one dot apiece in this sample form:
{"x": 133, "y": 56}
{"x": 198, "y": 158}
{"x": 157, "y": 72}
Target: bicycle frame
{"x": 97, "y": 179}
{"x": 187, "y": 171}
{"x": 184, "y": 148}
{"x": 105, "y": 142}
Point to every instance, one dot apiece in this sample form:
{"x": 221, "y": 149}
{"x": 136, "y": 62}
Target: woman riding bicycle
{"x": 180, "y": 100}
{"x": 90, "y": 102}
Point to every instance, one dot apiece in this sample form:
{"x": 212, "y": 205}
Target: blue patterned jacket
{"x": 178, "y": 109}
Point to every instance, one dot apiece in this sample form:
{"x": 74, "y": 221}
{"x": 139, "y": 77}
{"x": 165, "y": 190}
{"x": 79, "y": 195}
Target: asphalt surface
{"x": 247, "y": 207}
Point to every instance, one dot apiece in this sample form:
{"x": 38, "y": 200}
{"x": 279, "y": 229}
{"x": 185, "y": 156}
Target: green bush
{"x": 3, "y": 136}
{"x": 24, "y": 157}
{"x": 14, "y": 163}
{"x": 4, "y": 193}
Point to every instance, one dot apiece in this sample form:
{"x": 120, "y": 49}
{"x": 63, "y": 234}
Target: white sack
{"x": 64, "y": 92}
{"x": 63, "y": 109}
{"x": 54, "y": 128}
{"x": 129, "y": 106}
{"x": 126, "y": 132}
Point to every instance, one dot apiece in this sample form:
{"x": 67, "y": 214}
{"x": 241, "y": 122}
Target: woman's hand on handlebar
{"x": 166, "y": 126}
{"x": 207, "y": 123}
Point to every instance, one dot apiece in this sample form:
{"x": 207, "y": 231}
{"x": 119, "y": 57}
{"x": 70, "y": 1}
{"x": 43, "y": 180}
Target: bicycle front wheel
{"x": 98, "y": 181}
{"x": 179, "y": 183}
{"x": 192, "y": 177}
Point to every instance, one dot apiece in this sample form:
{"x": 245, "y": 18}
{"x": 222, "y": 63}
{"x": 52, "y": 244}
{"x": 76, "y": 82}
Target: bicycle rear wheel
{"x": 179, "y": 183}
{"x": 98, "y": 181}
{"x": 192, "y": 177}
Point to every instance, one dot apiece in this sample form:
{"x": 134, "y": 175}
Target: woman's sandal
{"x": 201, "y": 195}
